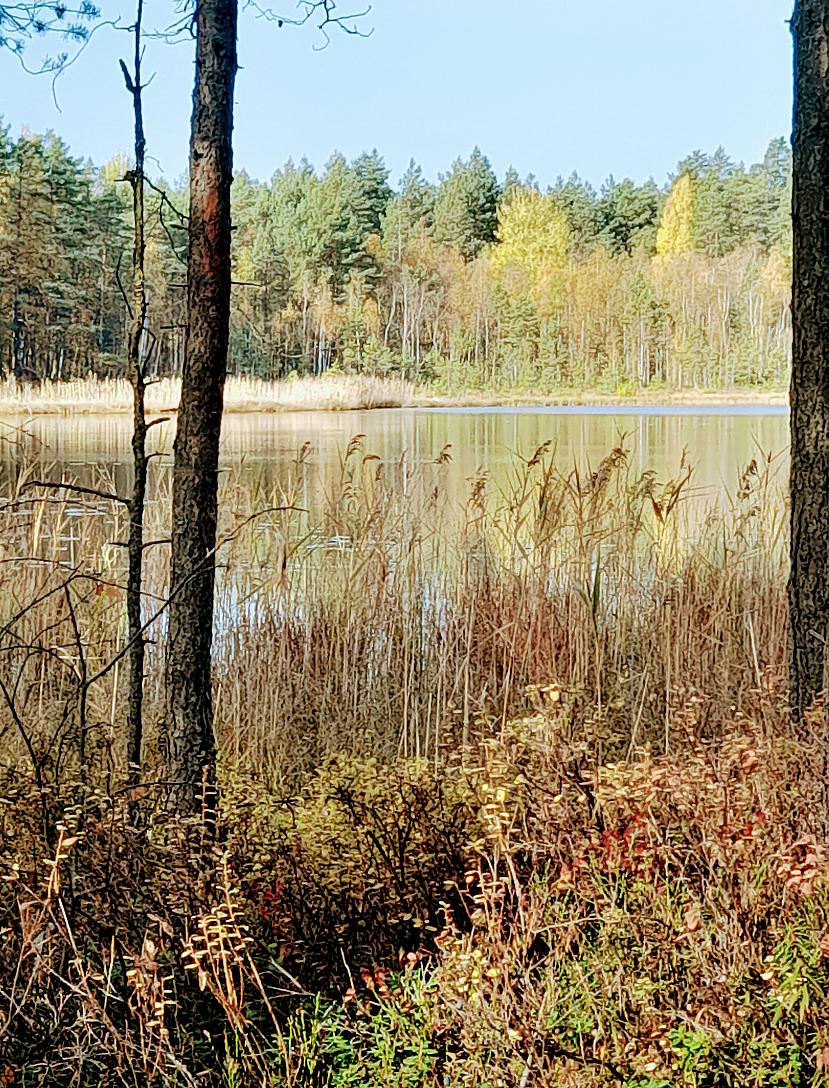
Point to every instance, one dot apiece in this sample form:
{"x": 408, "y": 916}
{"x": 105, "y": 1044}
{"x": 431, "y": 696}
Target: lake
{"x": 718, "y": 440}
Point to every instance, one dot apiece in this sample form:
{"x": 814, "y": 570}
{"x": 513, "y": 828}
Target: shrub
{"x": 360, "y": 869}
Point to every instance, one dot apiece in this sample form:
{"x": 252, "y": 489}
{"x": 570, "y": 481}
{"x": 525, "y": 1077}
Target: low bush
{"x": 528, "y": 915}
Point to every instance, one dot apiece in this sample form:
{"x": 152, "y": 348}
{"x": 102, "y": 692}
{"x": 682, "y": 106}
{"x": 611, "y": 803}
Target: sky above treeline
{"x": 622, "y": 87}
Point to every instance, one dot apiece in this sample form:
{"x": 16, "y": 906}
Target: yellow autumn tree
{"x": 530, "y": 257}
{"x": 675, "y": 234}
{"x": 532, "y": 232}
{"x": 115, "y": 170}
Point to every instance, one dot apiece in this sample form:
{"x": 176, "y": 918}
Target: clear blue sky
{"x": 601, "y": 86}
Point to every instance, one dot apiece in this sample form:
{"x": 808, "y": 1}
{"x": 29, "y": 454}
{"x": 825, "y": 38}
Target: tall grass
{"x": 369, "y": 610}
{"x": 330, "y": 392}
{"x": 406, "y": 626}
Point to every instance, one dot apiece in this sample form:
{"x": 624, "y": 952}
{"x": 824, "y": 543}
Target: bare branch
{"x": 325, "y": 11}
{"x": 165, "y": 199}
{"x": 182, "y": 587}
{"x": 121, "y": 286}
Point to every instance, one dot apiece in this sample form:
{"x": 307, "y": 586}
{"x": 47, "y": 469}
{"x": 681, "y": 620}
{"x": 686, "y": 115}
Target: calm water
{"x": 718, "y": 441}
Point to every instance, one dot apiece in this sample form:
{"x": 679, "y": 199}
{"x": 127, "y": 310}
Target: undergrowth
{"x": 524, "y": 916}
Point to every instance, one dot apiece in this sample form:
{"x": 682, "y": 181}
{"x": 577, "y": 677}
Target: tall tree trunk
{"x": 190, "y": 740}
{"x": 809, "y": 580}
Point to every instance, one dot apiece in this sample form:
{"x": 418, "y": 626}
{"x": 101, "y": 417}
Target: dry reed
{"x": 366, "y": 610}
{"x": 329, "y": 393}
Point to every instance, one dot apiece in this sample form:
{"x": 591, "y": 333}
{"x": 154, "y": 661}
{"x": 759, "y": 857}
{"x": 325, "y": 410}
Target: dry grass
{"x": 524, "y": 915}
{"x": 406, "y": 625}
{"x": 330, "y": 393}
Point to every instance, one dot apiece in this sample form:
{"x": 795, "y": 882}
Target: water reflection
{"x": 262, "y": 449}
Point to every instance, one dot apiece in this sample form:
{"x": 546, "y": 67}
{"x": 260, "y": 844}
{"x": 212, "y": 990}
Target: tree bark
{"x": 191, "y": 744}
{"x": 809, "y": 579}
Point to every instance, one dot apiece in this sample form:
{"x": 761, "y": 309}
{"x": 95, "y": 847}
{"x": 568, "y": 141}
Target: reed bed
{"x": 365, "y": 609}
{"x": 328, "y": 392}
{"x": 405, "y": 626}
{"x": 334, "y": 392}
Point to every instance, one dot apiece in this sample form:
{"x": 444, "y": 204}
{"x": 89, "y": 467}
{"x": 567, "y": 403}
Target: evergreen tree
{"x": 579, "y": 202}
{"x": 718, "y": 226}
{"x": 26, "y": 21}
{"x": 342, "y": 219}
{"x": 293, "y": 217}
{"x": 373, "y": 192}
{"x": 318, "y": 282}
{"x": 45, "y": 236}
{"x": 466, "y": 208}
{"x": 627, "y": 216}
{"x": 418, "y": 196}
{"x": 512, "y": 181}
{"x": 772, "y": 216}
{"x": 409, "y": 212}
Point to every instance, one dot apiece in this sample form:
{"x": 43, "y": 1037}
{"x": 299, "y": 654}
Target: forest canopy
{"x": 470, "y": 281}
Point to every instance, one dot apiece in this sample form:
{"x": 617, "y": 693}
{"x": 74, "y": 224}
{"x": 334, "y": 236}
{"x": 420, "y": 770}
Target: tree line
{"x": 470, "y": 281}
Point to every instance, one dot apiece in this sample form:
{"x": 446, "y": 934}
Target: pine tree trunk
{"x": 809, "y": 580}
{"x": 190, "y": 740}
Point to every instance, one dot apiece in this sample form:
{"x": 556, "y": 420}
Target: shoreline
{"x": 343, "y": 393}
{"x": 588, "y": 399}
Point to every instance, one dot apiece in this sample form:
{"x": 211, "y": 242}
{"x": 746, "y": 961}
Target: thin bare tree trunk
{"x": 191, "y": 744}
{"x": 135, "y": 372}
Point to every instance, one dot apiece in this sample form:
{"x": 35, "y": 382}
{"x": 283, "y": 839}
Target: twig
{"x": 54, "y": 485}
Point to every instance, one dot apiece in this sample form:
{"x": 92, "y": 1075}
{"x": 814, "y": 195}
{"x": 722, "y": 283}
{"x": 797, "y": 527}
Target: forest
{"x": 470, "y": 282}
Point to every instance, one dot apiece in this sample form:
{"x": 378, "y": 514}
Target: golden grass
{"x": 331, "y": 392}
{"x": 393, "y": 621}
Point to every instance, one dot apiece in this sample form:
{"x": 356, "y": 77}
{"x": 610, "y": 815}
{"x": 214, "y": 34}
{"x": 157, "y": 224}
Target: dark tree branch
{"x": 308, "y": 12}
{"x": 121, "y": 287}
{"x": 137, "y": 377}
{"x": 76, "y": 488}
{"x": 165, "y": 199}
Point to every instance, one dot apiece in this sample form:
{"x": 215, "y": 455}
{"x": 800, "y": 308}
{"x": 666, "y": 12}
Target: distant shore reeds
{"x": 329, "y": 392}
